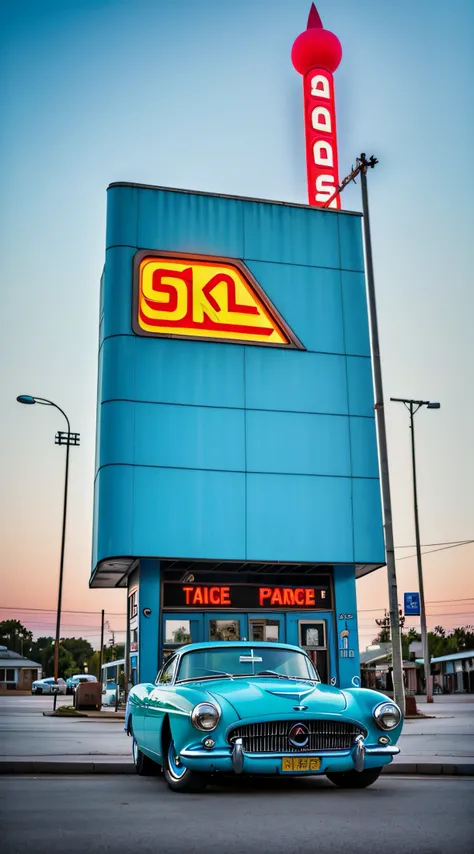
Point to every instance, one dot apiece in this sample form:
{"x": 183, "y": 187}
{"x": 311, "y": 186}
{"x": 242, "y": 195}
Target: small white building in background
{"x": 454, "y": 673}
{"x": 17, "y": 672}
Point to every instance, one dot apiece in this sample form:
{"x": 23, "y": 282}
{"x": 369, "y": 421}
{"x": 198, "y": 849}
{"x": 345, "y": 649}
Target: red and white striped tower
{"x": 316, "y": 54}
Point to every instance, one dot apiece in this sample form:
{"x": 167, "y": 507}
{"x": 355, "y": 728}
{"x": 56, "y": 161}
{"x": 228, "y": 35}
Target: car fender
{"x": 361, "y": 703}
{"x": 185, "y": 734}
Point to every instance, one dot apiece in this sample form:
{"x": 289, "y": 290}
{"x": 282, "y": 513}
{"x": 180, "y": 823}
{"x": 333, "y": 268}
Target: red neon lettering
{"x": 198, "y": 597}
{"x": 264, "y": 593}
{"x": 225, "y": 596}
{"x": 299, "y": 596}
{"x": 277, "y": 598}
{"x": 214, "y": 597}
{"x": 187, "y": 592}
{"x": 288, "y": 596}
{"x": 160, "y": 287}
{"x": 309, "y": 597}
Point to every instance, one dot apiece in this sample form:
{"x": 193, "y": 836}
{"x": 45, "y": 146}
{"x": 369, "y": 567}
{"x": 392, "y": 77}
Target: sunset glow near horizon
{"x": 93, "y": 93}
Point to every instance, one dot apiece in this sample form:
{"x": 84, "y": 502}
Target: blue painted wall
{"x": 148, "y": 623}
{"x": 210, "y": 450}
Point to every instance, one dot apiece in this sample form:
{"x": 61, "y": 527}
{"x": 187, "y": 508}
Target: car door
{"x": 157, "y": 705}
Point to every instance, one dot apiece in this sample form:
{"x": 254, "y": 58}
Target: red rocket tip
{"x": 314, "y": 21}
{"x": 316, "y": 47}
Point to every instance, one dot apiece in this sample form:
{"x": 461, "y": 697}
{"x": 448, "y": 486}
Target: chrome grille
{"x": 272, "y": 736}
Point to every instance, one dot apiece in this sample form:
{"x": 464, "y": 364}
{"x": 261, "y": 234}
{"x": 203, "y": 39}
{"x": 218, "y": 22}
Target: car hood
{"x": 253, "y": 698}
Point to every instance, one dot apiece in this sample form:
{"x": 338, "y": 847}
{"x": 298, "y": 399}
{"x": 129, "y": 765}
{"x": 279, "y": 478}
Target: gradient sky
{"x": 201, "y": 94}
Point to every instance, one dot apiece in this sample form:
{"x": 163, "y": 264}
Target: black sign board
{"x": 245, "y": 597}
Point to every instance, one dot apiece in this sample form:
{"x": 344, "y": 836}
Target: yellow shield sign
{"x": 206, "y": 298}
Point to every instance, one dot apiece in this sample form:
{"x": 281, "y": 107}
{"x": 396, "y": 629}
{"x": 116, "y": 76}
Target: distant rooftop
{"x": 454, "y": 656}
{"x": 8, "y": 658}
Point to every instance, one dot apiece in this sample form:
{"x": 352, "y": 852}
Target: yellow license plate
{"x": 301, "y": 763}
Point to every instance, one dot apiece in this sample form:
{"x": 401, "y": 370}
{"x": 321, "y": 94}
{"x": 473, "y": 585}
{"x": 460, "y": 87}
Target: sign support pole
{"x": 397, "y": 661}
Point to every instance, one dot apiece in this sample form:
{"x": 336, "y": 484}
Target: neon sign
{"x": 244, "y": 596}
{"x": 316, "y": 54}
{"x": 205, "y": 298}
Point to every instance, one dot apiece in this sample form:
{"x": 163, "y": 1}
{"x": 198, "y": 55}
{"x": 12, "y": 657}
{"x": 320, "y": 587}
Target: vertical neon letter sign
{"x": 316, "y": 54}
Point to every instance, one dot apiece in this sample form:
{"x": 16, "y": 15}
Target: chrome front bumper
{"x": 358, "y": 753}
{"x": 234, "y": 758}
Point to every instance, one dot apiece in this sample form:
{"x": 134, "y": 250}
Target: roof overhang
{"x": 114, "y": 572}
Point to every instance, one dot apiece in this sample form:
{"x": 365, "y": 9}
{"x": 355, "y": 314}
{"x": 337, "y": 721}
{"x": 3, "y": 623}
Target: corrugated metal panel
{"x": 171, "y": 438}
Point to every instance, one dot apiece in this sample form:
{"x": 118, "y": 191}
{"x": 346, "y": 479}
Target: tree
{"x": 38, "y": 647}
{"x": 81, "y": 651}
{"x": 66, "y": 664}
{"x": 110, "y": 654}
{"x": 15, "y": 636}
{"x": 181, "y": 635}
{"x": 384, "y": 633}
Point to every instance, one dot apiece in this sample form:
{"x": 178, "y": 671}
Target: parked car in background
{"x": 257, "y": 708}
{"x": 48, "y": 686}
{"x": 112, "y": 673}
{"x": 75, "y": 680}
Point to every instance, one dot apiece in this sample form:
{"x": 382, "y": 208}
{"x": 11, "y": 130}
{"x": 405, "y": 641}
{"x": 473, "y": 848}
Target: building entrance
{"x": 269, "y": 627}
{"x": 309, "y": 630}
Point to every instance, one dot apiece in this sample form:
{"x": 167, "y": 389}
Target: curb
{"x": 96, "y": 716}
{"x": 48, "y": 767}
{"x": 460, "y": 769}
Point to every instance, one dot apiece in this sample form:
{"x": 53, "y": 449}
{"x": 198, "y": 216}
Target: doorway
{"x": 267, "y": 627}
{"x": 225, "y": 627}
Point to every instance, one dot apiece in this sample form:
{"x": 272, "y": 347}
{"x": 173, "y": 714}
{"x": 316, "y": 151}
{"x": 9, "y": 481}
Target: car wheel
{"x": 179, "y": 778}
{"x": 355, "y": 779}
{"x": 144, "y": 766}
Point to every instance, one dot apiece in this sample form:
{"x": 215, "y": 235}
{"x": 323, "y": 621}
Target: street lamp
{"x": 67, "y": 439}
{"x": 413, "y": 406}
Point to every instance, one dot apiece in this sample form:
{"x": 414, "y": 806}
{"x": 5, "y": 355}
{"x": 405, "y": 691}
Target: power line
{"x": 427, "y": 545}
{"x": 431, "y": 602}
{"x": 51, "y": 610}
{"x": 444, "y": 548}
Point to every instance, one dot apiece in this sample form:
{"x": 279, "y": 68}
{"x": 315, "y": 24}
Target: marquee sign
{"x": 192, "y": 296}
{"x": 316, "y": 54}
{"x": 244, "y": 597}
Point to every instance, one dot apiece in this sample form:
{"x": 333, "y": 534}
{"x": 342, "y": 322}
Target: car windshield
{"x": 234, "y": 661}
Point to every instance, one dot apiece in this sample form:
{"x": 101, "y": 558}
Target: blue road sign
{"x": 412, "y": 604}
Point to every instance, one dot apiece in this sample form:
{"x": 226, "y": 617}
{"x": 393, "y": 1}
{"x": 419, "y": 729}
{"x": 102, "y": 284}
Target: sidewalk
{"x": 38, "y": 743}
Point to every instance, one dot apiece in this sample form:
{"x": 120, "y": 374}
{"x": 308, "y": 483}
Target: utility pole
{"x": 363, "y": 164}
{"x": 101, "y": 656}
{"x": 413, "y": 406}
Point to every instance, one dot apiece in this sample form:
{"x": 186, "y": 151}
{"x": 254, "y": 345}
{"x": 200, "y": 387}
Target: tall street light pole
{"x": 363, "y": 164}
{"x": 60, "y": 439}
{"x": 413, "y": 406}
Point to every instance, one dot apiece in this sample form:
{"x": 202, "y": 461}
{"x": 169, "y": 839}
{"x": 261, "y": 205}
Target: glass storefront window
{"x": 177, "y": 631}
{"x": 264, "y": 630}
{"x": 224, "y": 630}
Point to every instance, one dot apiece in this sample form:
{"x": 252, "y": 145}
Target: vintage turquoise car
{"x": 256, "y": 708}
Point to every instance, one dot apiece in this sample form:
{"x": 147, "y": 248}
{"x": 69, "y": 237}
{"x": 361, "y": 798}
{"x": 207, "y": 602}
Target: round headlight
{"x": 205, "y": 716}
{"x": 387, "y": 715}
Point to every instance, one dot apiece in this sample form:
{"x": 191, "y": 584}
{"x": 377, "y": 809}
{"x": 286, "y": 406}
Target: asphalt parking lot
{"x": 98, "y": 814}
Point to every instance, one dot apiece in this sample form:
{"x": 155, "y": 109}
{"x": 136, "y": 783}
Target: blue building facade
{"x": 232, "y": 466}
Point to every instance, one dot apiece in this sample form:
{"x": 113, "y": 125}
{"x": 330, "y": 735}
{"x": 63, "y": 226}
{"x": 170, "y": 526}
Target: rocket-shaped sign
{"x": 316, "y": 54}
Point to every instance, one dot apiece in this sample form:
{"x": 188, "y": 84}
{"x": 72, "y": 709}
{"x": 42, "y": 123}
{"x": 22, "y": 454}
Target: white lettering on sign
{"x": 325, "y": 188}
{"x": 322, "y": 153}
{"x": 320, "y": 86}
{"x": 321, "y": 119}
{"x": 321, "y": 141}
